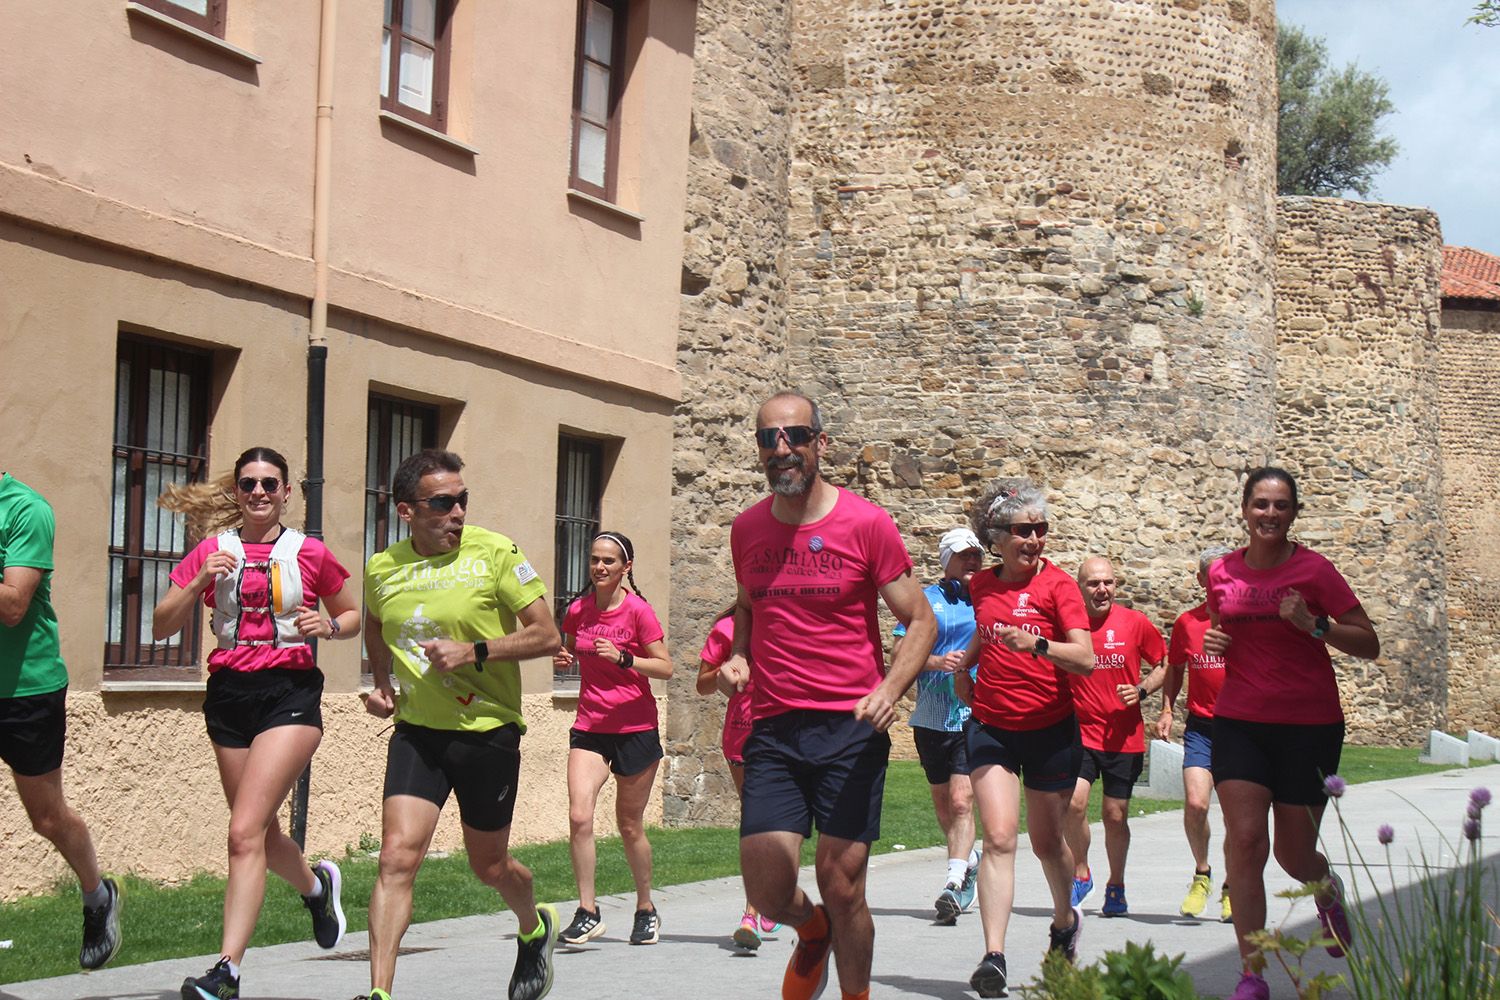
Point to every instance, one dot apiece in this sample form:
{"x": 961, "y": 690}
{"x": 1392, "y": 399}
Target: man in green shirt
{"x": 456, "y": 608}
{"x": 33, "y": 712}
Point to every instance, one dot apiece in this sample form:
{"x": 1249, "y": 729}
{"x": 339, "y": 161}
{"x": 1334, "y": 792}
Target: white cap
{"x": 955, "y": 541}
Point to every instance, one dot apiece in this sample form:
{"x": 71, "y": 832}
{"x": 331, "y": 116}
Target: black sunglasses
{"x": 796, "y": 436}
{"x": 1025, "y": 529}
{"x": 444, "y": 502}
{"x": 247, "y": 484}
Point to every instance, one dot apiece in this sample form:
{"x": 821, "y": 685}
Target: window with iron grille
{"x": 205, "y": 15}
{"x": 580, "y": 487}
{"x": 414, "y": 49}
{"x": 396, "y": 430}
{"x": 160, "y": 438}
{"x": 598, "y": 81}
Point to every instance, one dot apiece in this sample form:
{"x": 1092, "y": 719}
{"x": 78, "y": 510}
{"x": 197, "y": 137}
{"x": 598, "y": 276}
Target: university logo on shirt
{"x": 1022, "y": 600}
{"x": 1109, "y": 639}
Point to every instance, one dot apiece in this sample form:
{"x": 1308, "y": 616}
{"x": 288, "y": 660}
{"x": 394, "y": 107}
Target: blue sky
{"x": 1444, "y": 78}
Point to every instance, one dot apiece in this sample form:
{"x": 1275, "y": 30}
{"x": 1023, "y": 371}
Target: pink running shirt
{"x": 1122, "y": 641}
{"x": 815, "y": 639}
{"x": 1276, "y": 672}
{"x": 612, "y": 699}
{"x": 1205, "y": 673}
{"x": 716, "y": 650}
{"x": 321, "y": 575}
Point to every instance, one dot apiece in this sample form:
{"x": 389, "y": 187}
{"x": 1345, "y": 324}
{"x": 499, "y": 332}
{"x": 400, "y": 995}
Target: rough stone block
{"x": 1483, "y": 746}
{"x": 1165, "y": 781}
{"x": 1445, "y": 749}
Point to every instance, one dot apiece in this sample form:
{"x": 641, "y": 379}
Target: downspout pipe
{"x": 317, "y": 336}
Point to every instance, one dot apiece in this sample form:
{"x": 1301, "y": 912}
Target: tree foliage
{"x": 1328, "y": 137}
{"x": 1486, "y": 13}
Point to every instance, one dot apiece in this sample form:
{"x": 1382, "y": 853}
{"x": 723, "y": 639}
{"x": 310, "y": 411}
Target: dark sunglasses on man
{"x": 1025, "y": 529}
{"x": 796, "y": 436}
{"x": 444, "y": 502}
{"x": 269, "y": 484}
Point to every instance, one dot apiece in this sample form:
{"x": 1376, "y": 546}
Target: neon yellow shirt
{"x": 468, "y": 594}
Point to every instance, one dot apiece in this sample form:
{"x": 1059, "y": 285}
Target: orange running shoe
{"x": 807, "y": 969}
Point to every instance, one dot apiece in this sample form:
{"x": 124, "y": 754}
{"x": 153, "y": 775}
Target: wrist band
{"x": 333, "y": 628}
{"x": 626, "y": 660}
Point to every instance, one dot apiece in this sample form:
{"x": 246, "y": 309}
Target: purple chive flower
{"x": 1479, "y": 797}
{"x": 1386, "y": 833}
{"x": 1471, "y": 829}
{"x": 1333, "y": 786}
{"x": 1474, "y": 811}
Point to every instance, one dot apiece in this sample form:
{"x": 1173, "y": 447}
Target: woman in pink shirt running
{"x": 1275, "y": 607}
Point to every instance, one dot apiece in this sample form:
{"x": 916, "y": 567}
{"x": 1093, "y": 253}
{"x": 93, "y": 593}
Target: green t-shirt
{"x": 30, "y": 660}
{"x": 468, "y": 594}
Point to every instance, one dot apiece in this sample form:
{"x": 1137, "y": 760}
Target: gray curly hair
{"x": 1001, "y": 503}
{"x": 1211, "y": 555}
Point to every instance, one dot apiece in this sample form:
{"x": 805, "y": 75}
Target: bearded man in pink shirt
{"x": 811, "y": 561}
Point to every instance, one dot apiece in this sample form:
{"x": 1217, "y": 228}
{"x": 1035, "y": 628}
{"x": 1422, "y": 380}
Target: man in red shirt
{"x": 1205, "y": 676}
{"x": 812, "y": 562}
{"x": 1108, "y": 705}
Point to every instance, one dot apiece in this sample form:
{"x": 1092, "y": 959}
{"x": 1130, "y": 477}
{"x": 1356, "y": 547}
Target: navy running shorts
{"x": 943, "y": 754}
{"x": 482, "y": 769}
{"x": 1291, "y": 760}
{"x": 33, "y": 729}
{"x": 1118, "y": 769}
{"x": 1198, "y": 742}
{"x": 807, "y": 767}
{"x": 1047, "y": 759}
{"x": 242, "y": 704}
{"x": 626, "y": 753}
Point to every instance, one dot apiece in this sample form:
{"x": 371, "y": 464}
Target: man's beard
{"x": 785, "y": 485}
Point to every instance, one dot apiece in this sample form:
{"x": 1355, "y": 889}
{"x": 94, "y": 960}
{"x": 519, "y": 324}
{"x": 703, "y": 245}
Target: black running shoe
{"x": 327, "y": 909}
{"x": 989, "y": 979}
{"x": 647, "y": 929}
{"x": 532, "y": 978}
{"x": 1067, "y": 941}
{"x": 216, "y": 984}
{"x": 586, "y": 925}
{"x": 101, "y": 929}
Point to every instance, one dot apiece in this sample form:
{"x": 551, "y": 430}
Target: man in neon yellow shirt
{"x": 457, "y": 607}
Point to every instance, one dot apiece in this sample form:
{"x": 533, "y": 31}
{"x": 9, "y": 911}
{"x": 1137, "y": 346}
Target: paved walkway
{"x": 472, "y": 956}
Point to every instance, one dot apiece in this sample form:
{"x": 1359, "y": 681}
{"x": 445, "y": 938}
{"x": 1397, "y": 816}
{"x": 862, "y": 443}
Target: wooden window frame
{"x": 213, "y": 22}
{"x": 567, "y": 518}
{"x": 609, "y": 190}
{"x": 134, "y": 655}
{"x": 437, "y": 118}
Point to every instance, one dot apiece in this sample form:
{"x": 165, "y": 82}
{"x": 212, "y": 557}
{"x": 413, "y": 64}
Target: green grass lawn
{"x": 175, "y": 921}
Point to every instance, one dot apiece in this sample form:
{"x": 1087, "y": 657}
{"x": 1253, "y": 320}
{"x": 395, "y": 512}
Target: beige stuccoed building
{"x": 475, "y": 210}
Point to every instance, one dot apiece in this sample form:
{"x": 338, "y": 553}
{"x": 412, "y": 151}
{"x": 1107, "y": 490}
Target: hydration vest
{"x": 285, "y": 589}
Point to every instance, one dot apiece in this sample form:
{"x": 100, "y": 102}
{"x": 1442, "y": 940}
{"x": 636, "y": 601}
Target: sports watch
{"x": 1321, "y": 625}
{"x": 481, "y": 653}
{"x": 1040, "y": 649}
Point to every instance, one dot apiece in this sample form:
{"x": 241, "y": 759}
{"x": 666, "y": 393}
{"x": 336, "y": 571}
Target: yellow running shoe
{"x": 1226, "y": 916}
{"x": 1197, "y": 897}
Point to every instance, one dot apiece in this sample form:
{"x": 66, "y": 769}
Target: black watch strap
{"x": 1321, "y": 626}
{"x": 481, "y": 652}
{"x": 1041, "y": 647}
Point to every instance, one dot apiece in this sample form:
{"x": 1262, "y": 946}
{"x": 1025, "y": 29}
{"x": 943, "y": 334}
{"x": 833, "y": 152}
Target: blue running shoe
{"x": 1114, "y": 901}
{"x": 1082, "y": 887}
{"x": 968, "y": 889}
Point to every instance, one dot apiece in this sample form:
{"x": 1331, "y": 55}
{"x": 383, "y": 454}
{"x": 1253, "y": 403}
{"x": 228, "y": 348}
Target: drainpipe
{"x": 317, "y": 336}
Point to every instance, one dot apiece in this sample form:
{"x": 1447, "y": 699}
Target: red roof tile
{"x": 1470, "y": 274}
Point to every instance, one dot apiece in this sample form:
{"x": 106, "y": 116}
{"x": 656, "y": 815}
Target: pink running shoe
{"x": 745, "y": 934}
{"x": 1333, "y": 918}
{"x": 768, "y": 926}
{"x": 1251, "y": 987}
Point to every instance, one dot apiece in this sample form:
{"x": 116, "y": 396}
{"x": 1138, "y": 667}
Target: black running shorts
{"x": 807, "y": 767}
{"x": 33, "y": 729}
{"x": 482, "y": 769}
{"x": 1047, "y": 759}
{"x": 626, "y": 753}
{"x": 1119, "y": 770}
{"x": 1291, "y": 760}
{"x": 242, "y": 704}
{"x": 943, "y": 754}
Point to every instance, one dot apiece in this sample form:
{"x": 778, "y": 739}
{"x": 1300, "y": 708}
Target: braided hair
{"x": 627, "y": 548}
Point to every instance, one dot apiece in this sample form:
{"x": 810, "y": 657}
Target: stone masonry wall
{"x": 1357, "y": 419}
{"x": 732, "y": 350}
{"x": 1035, "y": 238}
{"x": 1469, "y": 405}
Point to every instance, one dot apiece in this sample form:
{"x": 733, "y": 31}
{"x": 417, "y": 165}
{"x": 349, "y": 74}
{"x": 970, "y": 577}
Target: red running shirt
{"x": 814, "y": 638}
{"x": 1205, "y": 673}
{"x": 1122, "y": 640}
{"x": 1014, "y": 690}
{"x": 1275, "y": 671}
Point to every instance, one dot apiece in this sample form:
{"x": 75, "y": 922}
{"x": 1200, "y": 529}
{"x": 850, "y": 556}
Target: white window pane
{"x": 419, "y": 19}
{"x": 385, "y": 63}
{"x": 595, "y": 99}
{"x": 416, "y": 77}
{"x": 599, "y": 32}
{"x": 196, "y": 6}
{"x": 387, "y": 12}
{"x": 116, "y": 598}
{"x": 117, "y": 526}
{"x": 591, "y": 146}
